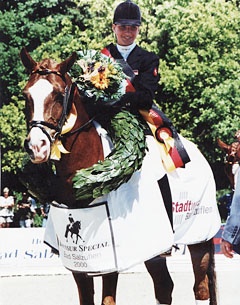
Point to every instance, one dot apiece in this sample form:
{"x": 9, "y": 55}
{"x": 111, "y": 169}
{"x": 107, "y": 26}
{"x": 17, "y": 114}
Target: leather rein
{"x": 67, "y": 104}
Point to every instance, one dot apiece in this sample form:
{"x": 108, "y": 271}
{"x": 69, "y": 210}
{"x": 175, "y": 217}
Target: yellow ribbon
{"x": 168, "y": 141}
{"x": 57, "y": 147}
{"x": 165, "y": 147}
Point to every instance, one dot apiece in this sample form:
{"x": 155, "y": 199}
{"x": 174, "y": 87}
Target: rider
{"x": 141, "y": 66}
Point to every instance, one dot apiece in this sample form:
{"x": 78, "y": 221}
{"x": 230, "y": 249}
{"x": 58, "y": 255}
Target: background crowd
{"x": 21, "y": 211}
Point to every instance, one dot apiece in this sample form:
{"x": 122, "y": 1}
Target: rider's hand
{"x": 227, "y": 248}
{"x": 127, "y": 99}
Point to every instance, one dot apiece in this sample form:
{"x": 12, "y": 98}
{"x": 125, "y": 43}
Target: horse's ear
{"x": 67, "y": 64}
{"x": 225, "y": 147}
{"x": 27, "y": 60}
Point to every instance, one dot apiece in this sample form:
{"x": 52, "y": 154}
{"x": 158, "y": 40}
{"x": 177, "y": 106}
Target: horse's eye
{"x": 28, "y": 111}
{"x": 56, "y": 111}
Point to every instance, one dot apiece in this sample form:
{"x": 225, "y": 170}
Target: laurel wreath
{"x": 127, "y": 133}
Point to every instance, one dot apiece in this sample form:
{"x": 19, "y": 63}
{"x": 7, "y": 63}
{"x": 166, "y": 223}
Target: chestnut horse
{"x": 50, "y": 80}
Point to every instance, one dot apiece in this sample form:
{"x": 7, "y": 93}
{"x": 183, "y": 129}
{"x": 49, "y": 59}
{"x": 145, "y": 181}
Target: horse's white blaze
{"x": 39, "y": 91}
{"x": 38, "y": 141}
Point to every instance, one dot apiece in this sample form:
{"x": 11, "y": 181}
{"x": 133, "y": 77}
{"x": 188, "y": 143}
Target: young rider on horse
{"x": 140, "y": 65}
{"x": 231, "y": 233}
{"x": 142, "y": 68}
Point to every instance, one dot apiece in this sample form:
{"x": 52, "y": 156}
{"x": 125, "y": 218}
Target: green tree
{"x": 26, "y": 23}
{"x": 22, "y": 23}
{"x": 198, "y": 43}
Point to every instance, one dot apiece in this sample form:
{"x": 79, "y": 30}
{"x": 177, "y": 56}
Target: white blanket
{"x": 129, "y": 228}
{"x": 130, "y": 225}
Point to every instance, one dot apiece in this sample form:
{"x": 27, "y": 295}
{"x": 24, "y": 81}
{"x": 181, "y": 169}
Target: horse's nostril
{"x": 27, "y": 148}
{"x": 44, "y": 143}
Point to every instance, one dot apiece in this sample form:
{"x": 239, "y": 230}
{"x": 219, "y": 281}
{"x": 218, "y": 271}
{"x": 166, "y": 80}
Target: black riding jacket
{"x": 145, "y": 65}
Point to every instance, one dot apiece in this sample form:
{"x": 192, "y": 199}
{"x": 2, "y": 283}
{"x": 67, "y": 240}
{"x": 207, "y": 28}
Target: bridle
{"x": 67, "y": 104}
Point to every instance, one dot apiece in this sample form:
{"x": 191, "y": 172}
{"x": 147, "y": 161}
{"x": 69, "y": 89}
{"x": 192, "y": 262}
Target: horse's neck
{"x": 84, "y": 147}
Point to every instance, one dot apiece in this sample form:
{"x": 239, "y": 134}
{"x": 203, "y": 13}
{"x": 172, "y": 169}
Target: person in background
{"x": 24, "y": 213}
{"x": 224, "y": 206}
{"x": 45, "y": 210}
{"x": 231, "y": 233}
{"x": 6, "y": 209}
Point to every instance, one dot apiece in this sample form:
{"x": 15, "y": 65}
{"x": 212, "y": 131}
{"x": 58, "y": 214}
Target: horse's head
{"x": 232, "y": 151}
{"x": 232, "y": 158}
{"x": 47, "y": 103}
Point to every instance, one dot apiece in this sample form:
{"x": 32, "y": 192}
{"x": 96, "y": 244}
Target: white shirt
{"x": 4, "y": 211}
{"x": 125, "y": 50}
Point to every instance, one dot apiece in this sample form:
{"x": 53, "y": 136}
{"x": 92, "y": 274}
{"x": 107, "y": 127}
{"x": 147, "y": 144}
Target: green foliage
{"x": 13, "y": 130}
{"x": 199, "y": 48}
{"x": 26, "y": 23}
{"x": 37, "y": 220}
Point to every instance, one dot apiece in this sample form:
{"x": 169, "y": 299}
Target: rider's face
{"x": 126, "y": 34}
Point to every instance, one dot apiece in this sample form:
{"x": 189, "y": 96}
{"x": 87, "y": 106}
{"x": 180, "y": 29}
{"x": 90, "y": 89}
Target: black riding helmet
{"x": 127, "y": 13}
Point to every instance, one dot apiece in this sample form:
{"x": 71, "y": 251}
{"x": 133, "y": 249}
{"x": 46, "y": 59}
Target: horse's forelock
{"x": 47, "y": 63}
{"x": 53, "y": 78}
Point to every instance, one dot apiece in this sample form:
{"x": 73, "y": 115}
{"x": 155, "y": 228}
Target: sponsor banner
{"x": 85, "y": 240}
{"x": 195, "y": 212}
{"x": 22, "y": 251}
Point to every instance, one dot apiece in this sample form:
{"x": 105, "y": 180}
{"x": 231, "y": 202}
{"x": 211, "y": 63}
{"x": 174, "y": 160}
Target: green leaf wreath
{"x": 102, "y": 80}
{"x": 117, "y": 168}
